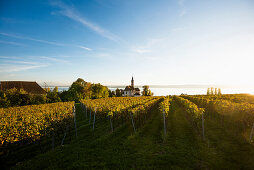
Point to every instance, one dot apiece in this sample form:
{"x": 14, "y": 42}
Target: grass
{"x": 182, "y": 147}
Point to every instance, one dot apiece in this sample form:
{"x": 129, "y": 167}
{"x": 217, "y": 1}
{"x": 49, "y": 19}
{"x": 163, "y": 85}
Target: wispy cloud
{"x": 19, "y": 62}
{"x": 9, "y": 65}
{"x": 37, "y": 40}
{"x": 182, "y": 6}
{"x": 85, "y": 48}
{"x": 53, "y": 59}
{"x": 140, "y": 50}
{"x": 12, "y": 43}
{"x": 8, "y": 68}
{"x": 9, "y": 57}
{"x": 31, "y": 39}
{"x": 72, "y": 13}
{"x": 147, "y": 48}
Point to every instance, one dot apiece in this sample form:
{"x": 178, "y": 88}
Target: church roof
{"x": 128, "y": 88}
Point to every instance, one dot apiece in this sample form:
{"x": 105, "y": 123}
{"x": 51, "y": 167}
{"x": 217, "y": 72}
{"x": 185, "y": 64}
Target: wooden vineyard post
{"x": 90, "y": 116}
{"x": 251, "y": 133}
{"x": 86, "y": 111}
{"x": 165, "y": 131}
{"x": 203, "y": 126}
{"x": 74, "y": 114}
{"x": 111, "y": 124}
{"x": 84, "y": 107}
{"x": 132, "y": 121}
{"x": 94, "y": 118}
{"x": 53, "y": 140}
{"x": 64, "y": 135}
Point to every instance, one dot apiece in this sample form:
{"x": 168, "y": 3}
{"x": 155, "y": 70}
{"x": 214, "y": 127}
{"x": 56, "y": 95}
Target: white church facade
{"x": 131, "y": 91}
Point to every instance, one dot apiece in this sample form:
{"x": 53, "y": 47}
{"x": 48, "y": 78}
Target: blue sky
{"x": 159, "y": 42}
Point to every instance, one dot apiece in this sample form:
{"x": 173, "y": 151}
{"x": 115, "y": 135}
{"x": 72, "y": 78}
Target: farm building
{"x": 28, "y": 86}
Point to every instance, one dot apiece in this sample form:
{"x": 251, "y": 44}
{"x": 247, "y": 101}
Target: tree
{"x": 4, "y": 102}
{"x": 80, "y": 89}
{"x": 118, "y": 93}
{"x": 215, "y": 91}
{"x": 211, "y": 91}
{"x": 219, "y": 91}
{"x": 55, "y": 89}
{"x": 53, "y": 96}
{"x": 111, "y": 93}
{"x": 65, "y": 96}
{"x": 208, "y": 91}
{"x": 146, "y": 91}
{"x": 38, "y": 99}
{"x": 99, "y": 91}
{"x": 47, "y": 89}
{"x": 18, "y": 97}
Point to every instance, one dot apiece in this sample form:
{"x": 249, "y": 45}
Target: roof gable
{"x": 29, "y": 87}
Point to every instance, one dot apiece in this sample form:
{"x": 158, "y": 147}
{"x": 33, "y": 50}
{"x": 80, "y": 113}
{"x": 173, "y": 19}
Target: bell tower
{"x": 132, "y": 82}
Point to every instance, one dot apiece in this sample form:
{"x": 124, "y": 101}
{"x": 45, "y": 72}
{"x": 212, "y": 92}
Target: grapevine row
{"x": 30, "y": 123}
{"x": 164, "y": 105}
{"x": 118, "y": 105}
{"x": 243, "y": 112}
{"x": 190, "y": 107}
{"x": 121, "y": 108}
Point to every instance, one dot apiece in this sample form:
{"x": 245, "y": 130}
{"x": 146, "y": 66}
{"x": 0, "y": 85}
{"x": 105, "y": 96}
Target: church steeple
{"x": 132, "y": 82}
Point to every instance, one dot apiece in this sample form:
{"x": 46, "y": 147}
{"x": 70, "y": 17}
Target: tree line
{"x": 118, "y": 92}
{"x": 213, "y": 91}
{"x": 79, "y": 90}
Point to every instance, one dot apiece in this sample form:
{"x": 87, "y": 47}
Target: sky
{"x": 162, "y": 42}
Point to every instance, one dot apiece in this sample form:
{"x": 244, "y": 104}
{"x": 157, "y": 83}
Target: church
{"x": 131, "y": 91}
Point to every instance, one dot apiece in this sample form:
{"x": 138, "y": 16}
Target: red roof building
{"x": 28, "y": 86}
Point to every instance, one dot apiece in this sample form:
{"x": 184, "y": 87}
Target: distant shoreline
{"x": 161, "y": 86}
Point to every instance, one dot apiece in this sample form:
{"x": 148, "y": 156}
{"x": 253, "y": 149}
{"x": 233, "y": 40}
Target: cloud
{"x": 12, "y": 43}
{"x": 141, "y": 51}
{"x": 37, "y": 40}
{"x": 85, "y": 48}
{"x": 72, "y": 13}
{"x": 53, "y": 59}
{"x": 9, "y": 57}
{"x": 16, "y": 64}
{"x": 19, "y": 62}
{"x": 147, "y": 48}
{"x": 8, "y": 68}
{"x": 31, "y": 39}
{"x": 182, "y": 6}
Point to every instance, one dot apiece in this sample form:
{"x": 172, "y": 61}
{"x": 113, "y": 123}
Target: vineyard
{"x": 176, "y": 132}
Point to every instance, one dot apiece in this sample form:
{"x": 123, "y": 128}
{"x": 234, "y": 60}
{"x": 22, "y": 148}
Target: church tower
{"x": 132, "y": 82}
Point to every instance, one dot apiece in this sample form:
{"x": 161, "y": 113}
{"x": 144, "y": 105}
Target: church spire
{"x": 132, "y": 82}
